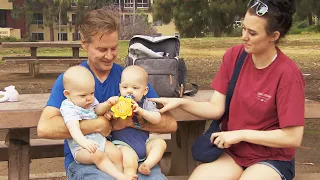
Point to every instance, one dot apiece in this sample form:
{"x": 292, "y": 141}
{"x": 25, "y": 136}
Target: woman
{"x": 266, "y": 118}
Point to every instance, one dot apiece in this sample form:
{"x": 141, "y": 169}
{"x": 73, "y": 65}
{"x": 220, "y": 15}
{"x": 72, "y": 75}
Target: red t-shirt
{"x": 263, "y": 99}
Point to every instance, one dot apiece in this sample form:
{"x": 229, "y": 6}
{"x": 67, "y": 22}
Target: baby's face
{"x": 133, "y": 85}
{"x": 82, "y": 95}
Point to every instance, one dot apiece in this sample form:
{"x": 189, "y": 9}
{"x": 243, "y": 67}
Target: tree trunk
{"x": 51, "y": 32}
{"x": 310, "y": 19}
{"x": 75, "y": 34}
{"x": 217, "y": 32}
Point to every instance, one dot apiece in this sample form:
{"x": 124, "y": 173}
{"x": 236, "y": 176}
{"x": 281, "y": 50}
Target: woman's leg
{"x": 260, "y": 171}
{"x": 223, "y": 168}
{"x": 271, "y": 169}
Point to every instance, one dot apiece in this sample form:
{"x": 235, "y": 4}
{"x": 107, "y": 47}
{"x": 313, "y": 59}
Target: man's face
{"x": 102, "y": 51}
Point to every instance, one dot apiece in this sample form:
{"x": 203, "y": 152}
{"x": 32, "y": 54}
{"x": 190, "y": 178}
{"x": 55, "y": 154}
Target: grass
{"x": 302, "y": 48}
{"x": 205, "y": 54}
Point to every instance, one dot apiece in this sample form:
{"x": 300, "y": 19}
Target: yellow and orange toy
{"x": 123, "y": 108}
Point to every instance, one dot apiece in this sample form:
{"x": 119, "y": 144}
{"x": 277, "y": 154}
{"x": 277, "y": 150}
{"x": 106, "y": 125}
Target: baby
{"x": 134, "y": 143}
{"x": 80, "y": 104}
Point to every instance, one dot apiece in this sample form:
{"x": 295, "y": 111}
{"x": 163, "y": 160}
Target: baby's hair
{"x": 137, "y": 70}
{"x": 75, "y": 75}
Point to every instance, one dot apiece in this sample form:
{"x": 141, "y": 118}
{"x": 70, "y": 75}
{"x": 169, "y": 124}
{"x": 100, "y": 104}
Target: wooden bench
{"x": 48, "y": 148}
{"x": 34, "y": 60}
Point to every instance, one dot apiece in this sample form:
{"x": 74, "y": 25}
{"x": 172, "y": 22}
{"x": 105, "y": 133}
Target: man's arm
{"x": 52, "y": 126}
{"x": 166, "y": 125}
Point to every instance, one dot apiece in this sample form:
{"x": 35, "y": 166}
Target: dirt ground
{"x": 307, "y": 159}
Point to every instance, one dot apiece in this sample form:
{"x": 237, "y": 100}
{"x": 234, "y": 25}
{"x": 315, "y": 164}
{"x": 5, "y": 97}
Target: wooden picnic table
{"x": 34, "y": 60}
{"x": 19, "y": 117}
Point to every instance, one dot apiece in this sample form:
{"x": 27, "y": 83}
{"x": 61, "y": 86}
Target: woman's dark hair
{"x": 279, "y": 16}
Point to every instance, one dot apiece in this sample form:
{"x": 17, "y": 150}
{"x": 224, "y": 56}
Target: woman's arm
{"x": 208, "y": 110}
{"x": 288, "y": 137}
{"x": 52, "y": 126}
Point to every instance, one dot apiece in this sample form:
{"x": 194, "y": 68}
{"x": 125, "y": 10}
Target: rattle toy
{"x": 123, "y": 108}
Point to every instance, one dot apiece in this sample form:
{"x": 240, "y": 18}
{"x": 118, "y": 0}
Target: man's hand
{"x": 105, "y": 126}
{"x": 118, "y": 123}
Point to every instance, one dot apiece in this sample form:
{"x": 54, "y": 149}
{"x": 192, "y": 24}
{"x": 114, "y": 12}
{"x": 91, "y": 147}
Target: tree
{"x": 23, "y": 10}
{"x": 194, "y": 18}
{"x": 84, "y": 6}
{"x": 306, "y": 9}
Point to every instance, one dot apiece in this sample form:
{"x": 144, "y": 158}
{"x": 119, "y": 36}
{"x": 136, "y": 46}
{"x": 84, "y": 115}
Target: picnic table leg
{"x": 18, "y": 144}
{"x": 75, "y": 52}
{"x": 182, "y": 162}
{"x": 34, "y": 68}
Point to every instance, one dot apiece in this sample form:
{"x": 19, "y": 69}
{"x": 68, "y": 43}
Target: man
{"x": 99, "y": 38}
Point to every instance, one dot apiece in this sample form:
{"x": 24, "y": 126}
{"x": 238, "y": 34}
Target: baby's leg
{"x": 155, "y": 151}
{"x": 130, "y": 160}
{"x": 114, "y": 154}
{"x": 101, "y": 160}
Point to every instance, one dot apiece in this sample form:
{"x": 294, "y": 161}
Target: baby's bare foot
{"x": 144, "y": 169}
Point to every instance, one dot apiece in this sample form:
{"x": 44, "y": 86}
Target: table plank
{"x": 26, "y": 112}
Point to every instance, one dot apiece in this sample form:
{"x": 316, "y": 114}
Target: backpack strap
{"x": 194, "y": 90}
{"x": 233, "y": 82}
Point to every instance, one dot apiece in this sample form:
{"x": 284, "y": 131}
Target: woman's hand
{"x": 227, "y": 138}
{"x": 168, "y": 103}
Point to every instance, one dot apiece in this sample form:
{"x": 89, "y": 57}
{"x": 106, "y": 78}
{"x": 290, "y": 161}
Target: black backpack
{"x": 159, "y": 56}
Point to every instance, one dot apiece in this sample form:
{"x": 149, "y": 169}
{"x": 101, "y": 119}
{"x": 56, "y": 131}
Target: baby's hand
{"x": 109, "y": 115}
{"x": 112, "y": 100}
{"x": 136, "y": 108}
{"x": 89, "y": 145}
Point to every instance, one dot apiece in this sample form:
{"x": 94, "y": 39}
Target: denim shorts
{"x": 286, "y": 169}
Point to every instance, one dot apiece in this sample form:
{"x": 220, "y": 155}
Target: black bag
{"x": 159, "y": 56}
{"x": 202, "y": 149}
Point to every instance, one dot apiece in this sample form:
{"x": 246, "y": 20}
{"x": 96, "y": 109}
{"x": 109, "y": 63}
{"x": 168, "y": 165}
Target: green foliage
{"x": 8, "y": 39}
{"x": 303, "y": 27}
{"x": 236, "y": 32}
{"x": 194, "y": 18}
{"x": 307, "y": 7}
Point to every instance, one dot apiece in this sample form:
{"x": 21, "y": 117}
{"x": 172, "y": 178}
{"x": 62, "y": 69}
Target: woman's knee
{"x": 223, "y": 168}
{"x": 260, "y": 171}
